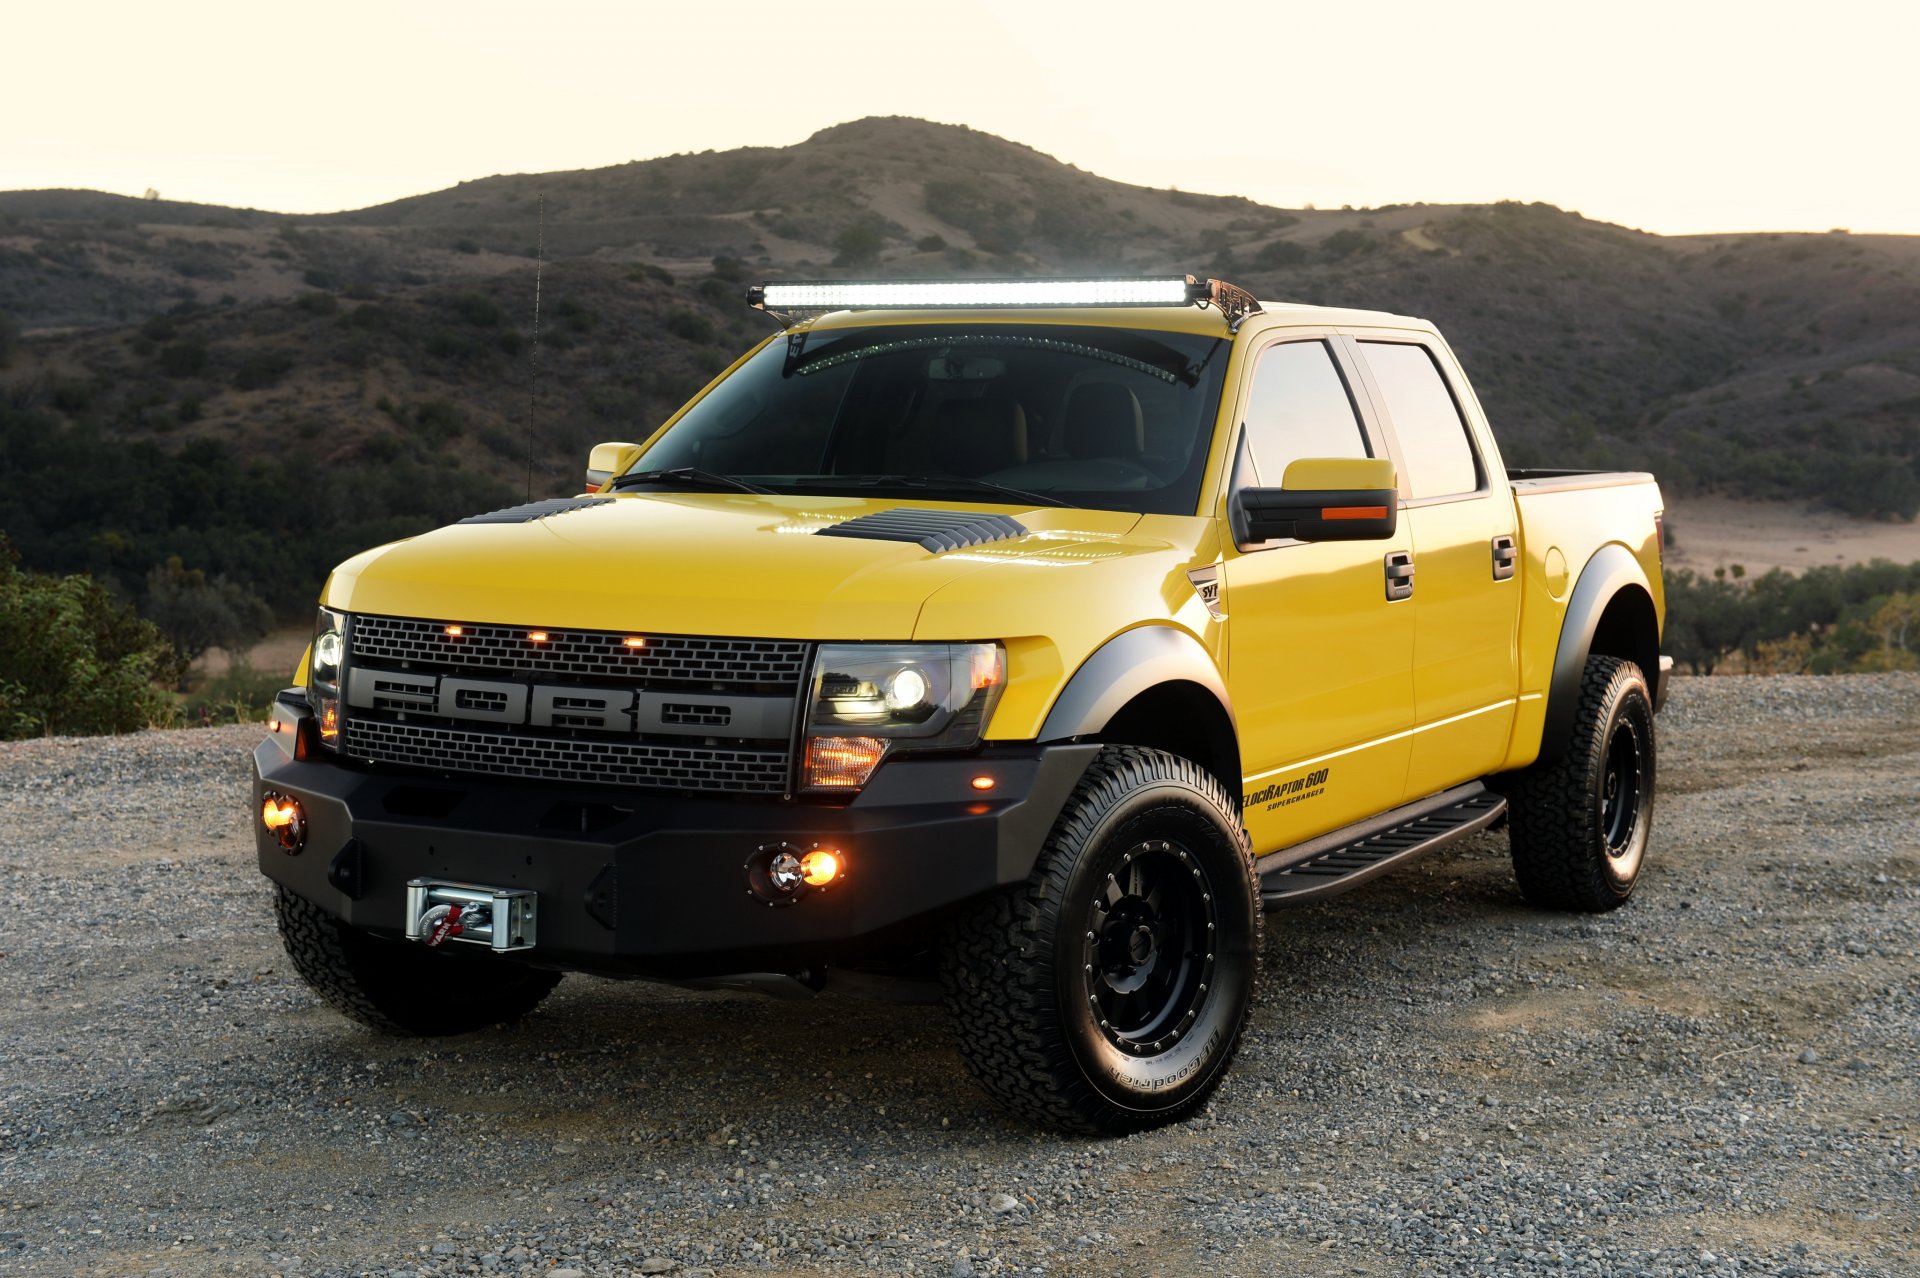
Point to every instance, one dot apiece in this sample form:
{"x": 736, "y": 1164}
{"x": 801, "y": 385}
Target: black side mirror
{"x": 1323, "y": 499}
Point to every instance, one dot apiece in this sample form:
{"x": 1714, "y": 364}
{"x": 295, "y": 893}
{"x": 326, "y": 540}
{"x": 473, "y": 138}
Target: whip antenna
{"x": 533, "y": 382}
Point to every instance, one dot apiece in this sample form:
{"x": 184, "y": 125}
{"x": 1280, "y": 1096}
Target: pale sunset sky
{"x": 1675, "y": 117}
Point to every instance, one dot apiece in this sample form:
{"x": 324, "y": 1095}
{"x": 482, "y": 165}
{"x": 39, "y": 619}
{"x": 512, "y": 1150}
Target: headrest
{"x": 1103, "y": 420}
{"x": 973, "y": 437}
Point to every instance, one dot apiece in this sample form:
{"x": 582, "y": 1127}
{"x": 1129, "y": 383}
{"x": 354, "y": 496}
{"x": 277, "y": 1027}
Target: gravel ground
{"x": 1718, "y": 1079}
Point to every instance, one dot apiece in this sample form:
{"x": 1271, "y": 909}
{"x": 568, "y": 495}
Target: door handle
{"x": 1399, "y": 575}
{"x": 1505, "y": 556}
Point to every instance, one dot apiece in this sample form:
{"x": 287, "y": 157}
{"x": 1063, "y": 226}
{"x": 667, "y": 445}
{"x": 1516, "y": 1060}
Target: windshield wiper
{"x": 938, "y": 481}
{"x": 686, "y": 477}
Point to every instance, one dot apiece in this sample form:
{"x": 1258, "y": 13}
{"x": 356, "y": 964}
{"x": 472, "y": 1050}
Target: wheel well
{"x": 1628, "y": 628}
{"x": 1184, "y": 719}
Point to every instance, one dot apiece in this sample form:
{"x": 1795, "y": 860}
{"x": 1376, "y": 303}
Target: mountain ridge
{"x": 1766, "y": 364}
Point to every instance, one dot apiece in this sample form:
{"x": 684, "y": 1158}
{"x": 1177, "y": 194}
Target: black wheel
{"x": 1107, "y": 993}
{"x": 399, "y": 986}
{"x": 1580, "y": 823}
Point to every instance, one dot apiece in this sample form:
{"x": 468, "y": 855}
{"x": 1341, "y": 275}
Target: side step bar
{"x": 1343, "y": 859}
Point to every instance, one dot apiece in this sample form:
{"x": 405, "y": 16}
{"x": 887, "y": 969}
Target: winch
{"x": 500, "y": 918}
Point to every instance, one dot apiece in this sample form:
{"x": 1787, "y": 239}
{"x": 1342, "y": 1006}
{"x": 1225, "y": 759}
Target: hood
{"x": 741, "y": 564}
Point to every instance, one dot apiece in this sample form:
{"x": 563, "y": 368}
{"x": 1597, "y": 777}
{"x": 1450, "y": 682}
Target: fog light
{"x": 284, "y": 819}
{"x": 784, "y": 873}
{"x": 821, "y": 867}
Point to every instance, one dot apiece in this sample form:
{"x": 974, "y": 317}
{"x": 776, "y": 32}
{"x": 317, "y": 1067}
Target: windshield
{"x": 1101, "y": 417}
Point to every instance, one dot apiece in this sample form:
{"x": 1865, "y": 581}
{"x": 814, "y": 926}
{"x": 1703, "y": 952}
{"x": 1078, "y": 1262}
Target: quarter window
{"x": 1433, "y": 440}
{"x": 1299, "y": 407}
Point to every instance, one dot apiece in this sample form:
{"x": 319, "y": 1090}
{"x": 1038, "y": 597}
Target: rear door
{"x": 1466, "y": 598}
{"x": 1318, "y": 657}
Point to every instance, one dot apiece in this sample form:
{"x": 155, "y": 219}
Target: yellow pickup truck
{"x": 1019, "y": 640}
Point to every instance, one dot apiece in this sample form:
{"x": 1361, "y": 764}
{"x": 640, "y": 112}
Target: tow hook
{"x": 500, "y": 918}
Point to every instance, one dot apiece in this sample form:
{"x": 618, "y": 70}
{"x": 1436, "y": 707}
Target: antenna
{"x": 533, "y": 383}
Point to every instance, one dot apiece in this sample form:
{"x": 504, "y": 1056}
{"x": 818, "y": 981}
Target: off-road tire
{"x": 1576, "y": 845}
{"x": 1025, "y": 977}
{"x": 401, "y": 987}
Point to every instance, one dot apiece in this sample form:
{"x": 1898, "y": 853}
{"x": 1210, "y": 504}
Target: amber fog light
{"x": 783, "y": 873}
{"x": 283, "y": 818}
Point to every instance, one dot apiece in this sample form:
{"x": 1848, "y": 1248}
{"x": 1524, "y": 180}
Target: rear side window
{"x": 1299, "y": 407}
{"x": 1433, "y": 439}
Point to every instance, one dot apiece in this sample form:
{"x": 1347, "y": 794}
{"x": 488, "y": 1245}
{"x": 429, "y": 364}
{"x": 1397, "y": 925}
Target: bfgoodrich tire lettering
{"x": 1580, "y": 824}
{"x": 402, "y": 987}
{"x": 1108, "y": 992}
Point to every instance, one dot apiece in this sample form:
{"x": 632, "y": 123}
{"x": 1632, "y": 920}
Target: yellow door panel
{"x": 1466, "y": 623}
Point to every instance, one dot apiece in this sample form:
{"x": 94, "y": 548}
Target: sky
{"x": 1677, "y": 117}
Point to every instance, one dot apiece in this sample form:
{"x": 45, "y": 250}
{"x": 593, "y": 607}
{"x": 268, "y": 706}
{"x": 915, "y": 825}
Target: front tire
{"x": 1108, "y": 992}
{"x": 401, "y": 987}
{"x": 1580, "y": 824}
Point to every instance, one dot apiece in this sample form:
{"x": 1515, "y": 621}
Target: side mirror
{"x": 1321, "y": 499}
{"x": 606, "y": 461}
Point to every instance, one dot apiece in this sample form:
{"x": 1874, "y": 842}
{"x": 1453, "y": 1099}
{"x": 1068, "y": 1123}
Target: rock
{"x": 1001, "y": 1204}
{"x": 446, "y": 1249}
{"x": 1855, "y": 947}
{"x": 658, "y": 1265}
{"x": 962, "y": 1268}
{"x": 568, "y": 1273}
{"x": 1809, "y": 1057}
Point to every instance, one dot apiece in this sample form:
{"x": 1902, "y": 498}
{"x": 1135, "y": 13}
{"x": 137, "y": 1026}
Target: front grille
{"x": 582, "y": 654}
{"x": 504, "y": 754}
{"x": 555, "y": 702}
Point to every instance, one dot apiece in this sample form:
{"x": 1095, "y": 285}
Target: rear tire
{"x": 401, "y": 987}
{"x": 1108, "y": 992}
{"x": 1580, "y": 823}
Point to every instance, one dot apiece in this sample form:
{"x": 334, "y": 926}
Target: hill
{"x": 376, "y": 362}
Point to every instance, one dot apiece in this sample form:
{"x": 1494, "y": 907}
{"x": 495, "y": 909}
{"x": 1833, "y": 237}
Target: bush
{"x": 196, "y": 612}
{"x": 72, "y": 660}
{"x": 183, "y": 359}
{"x": 857, "y": 246}
{"x": 693, "y": 328}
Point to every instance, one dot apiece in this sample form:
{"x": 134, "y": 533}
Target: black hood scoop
{"x": 932, "y": 530}
{"x": 536, "y": 510}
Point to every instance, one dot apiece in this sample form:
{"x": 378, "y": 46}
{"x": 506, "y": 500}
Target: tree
{"x": 72, "y": 659}
{"x": 197, "y": 612}
{"x": 858, "y": 245}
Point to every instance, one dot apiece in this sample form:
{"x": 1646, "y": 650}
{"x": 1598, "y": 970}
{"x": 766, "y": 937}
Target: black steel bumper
{"x": 636, "y": 884}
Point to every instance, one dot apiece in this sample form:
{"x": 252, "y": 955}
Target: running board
{"x": 1334, "y": 862}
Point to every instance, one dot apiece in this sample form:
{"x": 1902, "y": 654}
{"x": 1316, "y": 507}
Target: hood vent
{"x": 536, "y": 510}
{"x": 932, "y": 530}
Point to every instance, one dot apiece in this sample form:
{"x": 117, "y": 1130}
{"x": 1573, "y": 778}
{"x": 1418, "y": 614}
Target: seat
{"x": 1103, "y": 419}
{"x": 974, "y": 437}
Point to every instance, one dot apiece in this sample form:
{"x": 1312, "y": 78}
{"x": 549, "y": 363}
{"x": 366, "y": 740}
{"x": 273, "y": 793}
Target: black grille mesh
{"x": 566, "y": 759}
{"x": 585, "y": 654}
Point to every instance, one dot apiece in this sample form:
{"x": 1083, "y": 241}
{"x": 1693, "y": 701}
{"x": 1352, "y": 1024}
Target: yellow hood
{"x": 695, "y": 563}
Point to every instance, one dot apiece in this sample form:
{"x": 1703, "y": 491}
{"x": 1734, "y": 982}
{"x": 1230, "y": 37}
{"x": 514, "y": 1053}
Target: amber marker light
{"x": 536, "y": 636}
{"x": 454, "y": 632}
{"x": 276, "y": 815}
{"x": 842, "y": 763}
{"x": 635, "y": 643}
{"x": 1353, "y": 512}
{"x": 982, "y": 783}
{"x": 821, "y": 866}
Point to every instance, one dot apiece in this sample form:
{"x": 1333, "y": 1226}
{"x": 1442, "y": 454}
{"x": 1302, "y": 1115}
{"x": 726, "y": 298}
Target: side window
{"x": 1299, "y": 407}
{"x": 1433, "y": 440}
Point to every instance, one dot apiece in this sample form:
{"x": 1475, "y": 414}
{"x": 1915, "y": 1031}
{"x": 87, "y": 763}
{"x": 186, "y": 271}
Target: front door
{"x": 1319, "y": 659}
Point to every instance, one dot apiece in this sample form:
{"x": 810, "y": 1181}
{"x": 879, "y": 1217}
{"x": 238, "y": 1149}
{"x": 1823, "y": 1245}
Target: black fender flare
{"x": 1611, "y": 570}
{"x": 1130, "y": 663}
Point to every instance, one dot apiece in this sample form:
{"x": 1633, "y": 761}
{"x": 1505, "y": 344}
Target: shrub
{"x": 183, "y": 359}
{"x": 9, "y": 337}
{"x": 857, "y": 246}
{"x": 931, "y": 244}
{"x": 197, "y": 612}
{"x": 72, "y": 660}
{"x": 691, "y": 327}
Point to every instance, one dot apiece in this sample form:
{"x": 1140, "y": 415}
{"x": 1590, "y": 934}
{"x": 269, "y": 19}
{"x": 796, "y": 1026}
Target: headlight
{"x": 871, "y": 699}
{"x": 325, "y": 668}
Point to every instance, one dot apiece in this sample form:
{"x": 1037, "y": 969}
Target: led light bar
{"x": 832, "y": 295}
